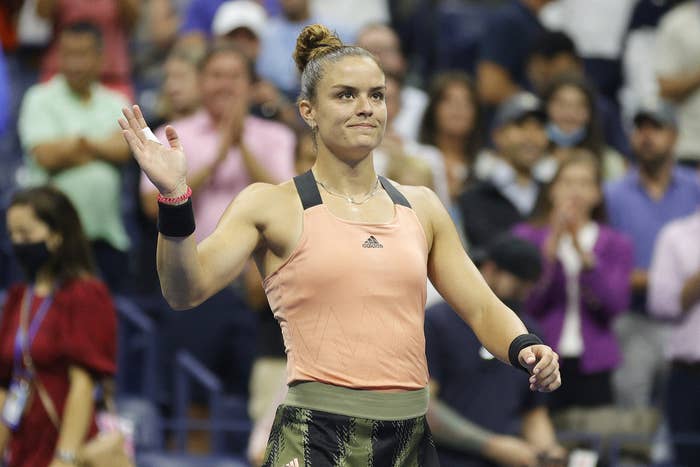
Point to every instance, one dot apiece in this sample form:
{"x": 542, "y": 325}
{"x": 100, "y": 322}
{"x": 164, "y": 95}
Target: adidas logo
{"x": 372, "y": 242}
{"x": 293, "y": 463}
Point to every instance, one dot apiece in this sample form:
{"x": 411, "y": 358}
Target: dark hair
{"x": 543, "y": 207}
{"x": 227, "y": 47}
{"x": 85, "y": 27}
{"x": 438, "y": 87}
{"x": 316, "y": 47}
{"x": 549, "y": 44}
{"x": 594, "y": 136}
{"x": 74, "y": 256}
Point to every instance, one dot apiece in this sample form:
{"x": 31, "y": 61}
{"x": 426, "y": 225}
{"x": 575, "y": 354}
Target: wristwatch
{"x": 68, "y": 457}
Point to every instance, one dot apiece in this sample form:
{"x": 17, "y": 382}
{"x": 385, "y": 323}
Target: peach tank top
{"x": 350, "y": 299}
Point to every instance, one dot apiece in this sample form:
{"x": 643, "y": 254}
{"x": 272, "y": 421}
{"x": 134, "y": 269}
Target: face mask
{"x": 563, "y": 139}
{"x": 31, "y": 256}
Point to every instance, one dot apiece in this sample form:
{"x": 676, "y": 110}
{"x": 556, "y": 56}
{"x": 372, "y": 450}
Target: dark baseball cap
{"x": 518, "y": 108}
{"x": 515, "y": 255}
{"x": 662, "y": 113}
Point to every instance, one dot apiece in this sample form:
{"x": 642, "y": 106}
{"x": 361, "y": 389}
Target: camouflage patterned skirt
{"x": 326, "y": 426}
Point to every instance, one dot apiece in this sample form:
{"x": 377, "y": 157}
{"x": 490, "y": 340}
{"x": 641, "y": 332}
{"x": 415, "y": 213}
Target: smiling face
{"x": 576, "y": 189}
{"x": 180, "y": 85}
{"x": 568, "y": 108}
{"x": 349, "y": 110}
{"x": 225, "y": 81}
{"x": 455, "y": 113}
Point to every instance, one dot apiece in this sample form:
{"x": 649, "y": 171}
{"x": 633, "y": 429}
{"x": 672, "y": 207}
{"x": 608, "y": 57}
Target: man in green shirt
{"x": 69, "y": 132}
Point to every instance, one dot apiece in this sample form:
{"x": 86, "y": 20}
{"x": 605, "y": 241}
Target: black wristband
{"x": 518, "y": 344}
{"x": 176, "y": 220}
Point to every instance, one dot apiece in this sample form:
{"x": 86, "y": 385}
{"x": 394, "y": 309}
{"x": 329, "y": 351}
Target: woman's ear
{"x": 307, "y": 113}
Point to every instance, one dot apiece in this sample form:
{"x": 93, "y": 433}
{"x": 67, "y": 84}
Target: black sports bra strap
{"x": 393, "y": 193}
{"x": 308, "y": 190}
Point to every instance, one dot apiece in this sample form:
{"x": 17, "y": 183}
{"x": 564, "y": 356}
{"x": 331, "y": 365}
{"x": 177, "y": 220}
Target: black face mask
{"x": 31, "y": 256}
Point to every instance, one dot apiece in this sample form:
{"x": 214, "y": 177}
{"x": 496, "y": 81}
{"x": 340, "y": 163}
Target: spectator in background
{"x": 234, "y": 148}
{"x": 114, "y": 19}
{"x": 275, "y": 62}
{"x": 180, "y": 93}
{"x": 243, "y": 23}
{"x": 68, "y": 131}
{"x": 72, "y": 337}
{"x": 503, "y": 51}
{"x": 348, "y": 18}
{"x": 597, "y": 27}
{"x": 508, "y": 193}
{"x": 573, "y": 123}
{"x": 481, "y": 412}
{"x": 554, "y": 55}
{"x": 639, "y": 205}
{"x": 638, "y": 72}
{"x": 451, "y": 124}
{"x": 5, "y": 108}
{"x": 385, "y": 44}
{"x": 674, "y": 293}
{"x": 411, "y": 162}
{"x": 585, "y": 282}
{"x": 677, "y": 59}
{"x": 196, "y": 26}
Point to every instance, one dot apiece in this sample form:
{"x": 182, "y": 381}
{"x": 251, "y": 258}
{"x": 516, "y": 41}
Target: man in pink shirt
{"x": 674, "y": 293}
{"x": 227, "y": 148}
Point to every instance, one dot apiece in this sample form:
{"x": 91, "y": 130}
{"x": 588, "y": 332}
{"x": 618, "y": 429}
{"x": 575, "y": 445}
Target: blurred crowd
{"x": 562, "y": 136}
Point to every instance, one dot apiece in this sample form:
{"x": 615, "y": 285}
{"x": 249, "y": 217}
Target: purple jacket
{"x": 604, "y": 294}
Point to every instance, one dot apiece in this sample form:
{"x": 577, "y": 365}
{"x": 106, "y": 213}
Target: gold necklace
{"x": 349, "y": 199}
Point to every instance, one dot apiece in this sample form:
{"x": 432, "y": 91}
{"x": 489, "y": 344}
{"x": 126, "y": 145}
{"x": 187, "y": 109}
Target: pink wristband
{"x": 177, "y": 200}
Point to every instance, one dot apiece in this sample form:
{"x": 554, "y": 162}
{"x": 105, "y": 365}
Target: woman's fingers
{"x": 135, "y": 145}
{"x": 134, "y": 126}
{"x": 139, "y": 117}
{"x": 544, "y": 383}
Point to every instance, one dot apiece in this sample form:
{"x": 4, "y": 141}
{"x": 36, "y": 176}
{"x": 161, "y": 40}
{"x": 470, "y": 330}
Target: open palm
{"x": 165, "y": 166}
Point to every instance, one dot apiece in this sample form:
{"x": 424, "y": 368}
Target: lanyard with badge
{"x": 23, "y": 370}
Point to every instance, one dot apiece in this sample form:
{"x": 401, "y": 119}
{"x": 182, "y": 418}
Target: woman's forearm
{"x": 78, "y": 411}
{"x": 179, "y": 271}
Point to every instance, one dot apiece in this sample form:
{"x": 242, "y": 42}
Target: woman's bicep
{"x": 224, "y": 254}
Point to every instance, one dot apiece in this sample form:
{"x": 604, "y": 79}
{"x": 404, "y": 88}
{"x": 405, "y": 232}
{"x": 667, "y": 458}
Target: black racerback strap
{"x": 308, "y": 190}
{"x": 310, "y": 196}
{"x": 393, "y": 193}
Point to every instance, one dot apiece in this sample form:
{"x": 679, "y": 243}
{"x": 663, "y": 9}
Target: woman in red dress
{"x": 66, "y": 320}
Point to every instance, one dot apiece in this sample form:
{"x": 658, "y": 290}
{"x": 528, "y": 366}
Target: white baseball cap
{"x": 235, "y": 14}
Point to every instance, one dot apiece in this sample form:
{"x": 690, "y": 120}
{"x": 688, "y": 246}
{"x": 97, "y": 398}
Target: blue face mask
{"x": 562, "y": 139}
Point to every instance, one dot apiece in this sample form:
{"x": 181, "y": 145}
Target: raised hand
{"x": 543, "y": 364}
{"x": 165, "y": 166}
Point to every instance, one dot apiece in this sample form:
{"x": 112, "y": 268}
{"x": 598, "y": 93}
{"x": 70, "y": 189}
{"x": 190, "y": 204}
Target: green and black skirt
{"x": 320, "y": 425}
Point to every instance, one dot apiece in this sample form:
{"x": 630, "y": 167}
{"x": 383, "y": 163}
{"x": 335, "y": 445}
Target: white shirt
{"x": 413, "y": 103}
{"x": 523, "y": 197}
{"x": 571, "y": 340}
{"x": 597, "y": 27}
{"x": 678, "y": 53}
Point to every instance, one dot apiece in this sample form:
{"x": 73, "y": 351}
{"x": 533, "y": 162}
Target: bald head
{"x": 384, "y": 43}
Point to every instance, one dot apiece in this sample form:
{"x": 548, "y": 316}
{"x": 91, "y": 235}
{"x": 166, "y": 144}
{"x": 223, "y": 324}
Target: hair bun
{"x": 313, "y": 41}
